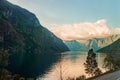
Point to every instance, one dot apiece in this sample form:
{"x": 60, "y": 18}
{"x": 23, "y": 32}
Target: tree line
{"x": 6, "y": 74}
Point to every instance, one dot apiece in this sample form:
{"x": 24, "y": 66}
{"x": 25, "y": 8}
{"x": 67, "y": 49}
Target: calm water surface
{"x": 70, "y": 65}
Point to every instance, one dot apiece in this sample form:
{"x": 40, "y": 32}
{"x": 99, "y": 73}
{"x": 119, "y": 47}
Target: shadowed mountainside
{"x": 21, "y": 32}
{"x": 112, "y": 48}
{"x": 31, "y": 46}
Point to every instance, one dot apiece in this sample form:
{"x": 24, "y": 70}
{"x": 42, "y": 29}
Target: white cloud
{"x": 83, "y": 30}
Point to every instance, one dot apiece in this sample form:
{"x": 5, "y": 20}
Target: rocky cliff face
{"x": 21, "y": 32}
{"x": 112, "y": 48}
{"x": 102, "y": 42}
{"x": 96, "y": 43}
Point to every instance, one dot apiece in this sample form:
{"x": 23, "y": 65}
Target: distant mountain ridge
{"x": 76, "y": 46}
{"x": 112, "y": 48}
{"x": 96, "y": 43}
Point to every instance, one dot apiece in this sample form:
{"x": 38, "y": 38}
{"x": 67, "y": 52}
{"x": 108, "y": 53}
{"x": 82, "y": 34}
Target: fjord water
{"x": 70, "y": 65}
{"x": 51, "y": 66}
{"x": 31, "y": 65}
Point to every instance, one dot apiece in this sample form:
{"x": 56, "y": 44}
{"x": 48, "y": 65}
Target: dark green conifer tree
{"x": 91, "y": 65}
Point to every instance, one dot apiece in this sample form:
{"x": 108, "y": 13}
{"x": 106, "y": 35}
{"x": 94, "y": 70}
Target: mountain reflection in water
{"x": 70, "y": 65}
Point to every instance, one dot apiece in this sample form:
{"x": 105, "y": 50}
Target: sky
{"x": 59, "y": 15}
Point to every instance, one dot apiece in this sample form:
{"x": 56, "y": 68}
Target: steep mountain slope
{"x": 92, "y": 43}
{"x": 99, "y": 43}
{"x": 95, "y": 43}
{"x": 27, "y": 41}
{"x": 76, "y": 46}
{"x": 21, "y": 32}
{"x": 112, "y": 48}
{"x": 102, "y": 42}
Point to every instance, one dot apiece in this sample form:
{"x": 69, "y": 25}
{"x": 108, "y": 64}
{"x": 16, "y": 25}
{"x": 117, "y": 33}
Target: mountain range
{"x": 21, "y": 32}
{"x": 95, "y": 43}
{"x": 112, "y": 48}
{"x": 23, "y": 36}
{"x": 32, "y": 47}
